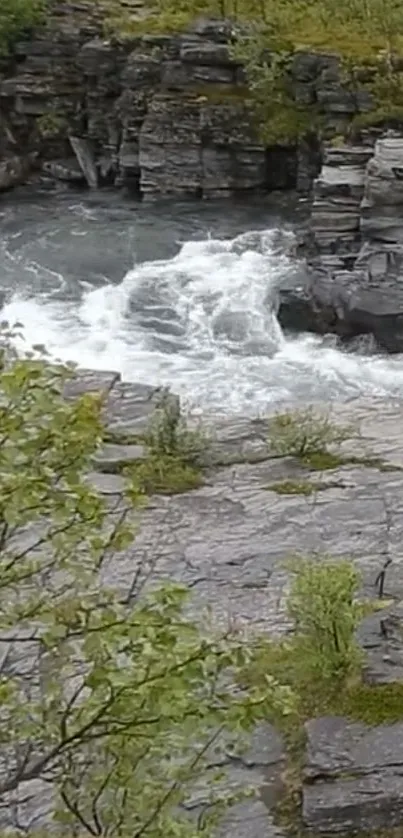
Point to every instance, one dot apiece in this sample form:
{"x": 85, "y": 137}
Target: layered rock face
{"x": 354, "y": 245}
{"x": 163, "y": 115}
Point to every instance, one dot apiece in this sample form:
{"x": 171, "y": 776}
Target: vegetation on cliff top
{"x": 366, "y": 35}
{"x": 17, "y": 16}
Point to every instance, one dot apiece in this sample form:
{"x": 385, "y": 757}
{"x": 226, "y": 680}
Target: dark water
{"x": 182, "y": 294}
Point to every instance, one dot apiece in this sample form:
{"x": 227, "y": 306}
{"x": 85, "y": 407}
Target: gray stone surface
{"x": 113, "y": 458}
{"x": 228, "y": 541}
{"x": 381, "y": 637}
{"x": 354, "y": 246}
{"x": 353, "y": 776}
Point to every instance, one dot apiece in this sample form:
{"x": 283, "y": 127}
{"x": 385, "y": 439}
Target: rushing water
{"x": 181, "y": 295}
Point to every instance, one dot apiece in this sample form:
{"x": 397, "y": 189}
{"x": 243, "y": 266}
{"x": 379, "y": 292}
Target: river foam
{"x": 203, "y": 322}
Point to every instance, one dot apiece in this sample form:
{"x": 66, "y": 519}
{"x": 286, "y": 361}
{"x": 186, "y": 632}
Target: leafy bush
{"x": 326, "y": 613}
{"x": 304, "y": 433}
{"x": 321, "y": 660}
{"x": 165, "y": 475}
{"x": 126, "y": 698}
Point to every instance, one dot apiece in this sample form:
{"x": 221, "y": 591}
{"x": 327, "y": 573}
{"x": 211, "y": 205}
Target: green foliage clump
{"x": 307, "y": 435}
{"x": 374, "y": 704}
{"x": 165, "y": 475}
{"x": 326, "y": 613}
{"x": 176, "y": 453}
{"x": 51, "y": 124}
{"x": 126, "y": 699}
{"x": 16, "y": 16}
{"x": 321, "y": 661}
{"x": 366, "y": 35}
{"x": 322, "y": 654}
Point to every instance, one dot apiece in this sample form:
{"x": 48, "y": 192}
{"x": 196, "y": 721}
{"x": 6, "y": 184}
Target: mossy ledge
{"x": 267, "y": 40}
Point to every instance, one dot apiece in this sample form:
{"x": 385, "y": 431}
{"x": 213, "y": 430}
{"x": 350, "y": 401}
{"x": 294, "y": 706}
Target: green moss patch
{"x": 327, "y": 461}
{"x": 374, "y": 704}
{"x": 164, "y": 475}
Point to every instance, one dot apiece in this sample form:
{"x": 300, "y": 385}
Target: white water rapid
{"x": 202, "y": 322}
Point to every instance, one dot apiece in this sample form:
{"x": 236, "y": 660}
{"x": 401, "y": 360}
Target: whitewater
{"x": 202, "y": 321}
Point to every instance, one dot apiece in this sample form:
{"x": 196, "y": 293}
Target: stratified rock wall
{"x": 354, "y": 245}
{"x": 163, "y": 114}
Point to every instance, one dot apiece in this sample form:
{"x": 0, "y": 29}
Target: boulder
{"x": 353, "y": 777}
{"x": 14, "y": 170}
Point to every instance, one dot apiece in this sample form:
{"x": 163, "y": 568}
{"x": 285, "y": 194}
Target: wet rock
{"x": 114, "y": 458}
{"x": 14, "y": 170}
{"x": 85, "y": 159}
{"x": 67, "y": 170}
{"x": 353, "y": 776}
{"x": 347, "y": 304}
{"x": 354, "y": 247}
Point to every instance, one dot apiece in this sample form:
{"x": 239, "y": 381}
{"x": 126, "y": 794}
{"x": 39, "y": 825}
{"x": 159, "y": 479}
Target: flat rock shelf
{"x": 228, "y": 540}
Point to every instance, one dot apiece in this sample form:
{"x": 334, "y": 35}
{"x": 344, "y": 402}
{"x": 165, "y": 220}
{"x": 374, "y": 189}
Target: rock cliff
{"x": 162, "y": 115}
{"x": 354, "y": 245}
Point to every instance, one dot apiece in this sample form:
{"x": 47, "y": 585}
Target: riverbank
{"x": 228, "y": 540}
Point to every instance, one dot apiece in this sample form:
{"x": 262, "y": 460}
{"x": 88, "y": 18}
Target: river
{"x": 183, "y": 295}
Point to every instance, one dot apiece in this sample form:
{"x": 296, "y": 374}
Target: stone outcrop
{"x": 353, "y": 777}
{"x": 354, "y": 246}
{"x": 228, "y": 541}
{"x": 162, "y": 114}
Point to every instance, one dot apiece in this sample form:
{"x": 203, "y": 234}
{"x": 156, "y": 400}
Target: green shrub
{"x": 326, "y": 613}
{"x": 321, "y": 660}
{"x": 164, "y": 475}
{"x": 169, "y": 435}
{"x": 305, "y": 433}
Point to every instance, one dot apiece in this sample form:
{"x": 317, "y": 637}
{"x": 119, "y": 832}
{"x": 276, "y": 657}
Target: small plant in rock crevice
{"x": 305, "y": 434}
{"x": 323, "y": 664}
{"x": 176, "y": 453}
{"x": 326, "y": 612}
{"x": 321, "y": 660}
